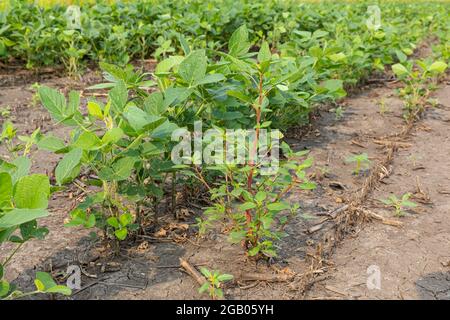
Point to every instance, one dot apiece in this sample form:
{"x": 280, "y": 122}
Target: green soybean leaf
{"x": 6, "y": 233}
{"x": 154, "y": 104}
{"x": 176, "y": 95}
{"x": 22, "y": 168}
{"x": 90, "y": 222}
{"x": 193, "y": 67}
{"x": 54, "y": 101}
{"x": 238, "y": 44}
{"x": 210, "y": 78}
{"x": 112, "y": 136}
{"x": 125, "y": 219}
{"x": 121, "y": 234}
{"x": 32, "y": 192}
{"x": 4, "y": 287}
{"x": 77, "y": 218}
{"x": 50, "y": 143}
{"x": 401, "y": 56}
{"x": 337, "y": 57}
{"x": 6, "y": 189}
{"x": 123, "y": 167}
{"x": 67, "y": 168}
{"x": 74, "y": 102}
{"x": 59, "y": 289}
{"x": 113, "y": 222}
{"x": 333, "y": 85}
{"x": 167, "y": 64}
{"x": 399, "y": 70}
{"x": 438, "y": 67}
{"x": 140, "y": 120}
{"x": 7, "y": 167}
{"x": 31, "y": 230}
{"x": 184, "y": 44}
{"x": 45, "y": 279}
{"x": 119, "y": 96}
{"x": 87, "y": 141}
{"x": 95, "y": 110}
{"x": 17, "y": 217}
{"x": 240, "y": 95}
{"x": 120, "y": 170}
{"x": 164, "y": 130}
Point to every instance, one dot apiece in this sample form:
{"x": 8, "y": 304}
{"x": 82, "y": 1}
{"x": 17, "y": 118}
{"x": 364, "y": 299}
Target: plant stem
{"x": 174, "y": 199}
{"x": 201, "y": 178}
{"x": 255, "y": 143}
{"x": 12, "y": 254}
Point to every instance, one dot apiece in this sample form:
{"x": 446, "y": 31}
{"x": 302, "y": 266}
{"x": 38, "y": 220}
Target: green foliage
{"x": 416, "y": 76}
{"x": 44, "y": 283}
{"x": 121, "y": 32}
{"x": 21, "y": 204}
{"x": 23, "y": 200}
{"x": 362, "y": 162}
{"x": 215, "y": 279}
{"x": 254, "y": 202}
{"x": 123, "y": 143}
{"x": 399, "y": 204}
{"x": 246, "y": 66}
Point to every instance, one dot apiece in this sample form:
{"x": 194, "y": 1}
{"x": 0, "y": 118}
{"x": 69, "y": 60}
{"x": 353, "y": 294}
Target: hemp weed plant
{"x": 214, "y": 283}
{"x": 220, "y": 84}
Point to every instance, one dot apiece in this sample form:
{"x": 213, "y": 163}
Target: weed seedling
{"x": 383, "y": 107}
{"x": 214, "y": 283}
{"x": 399, "y": 204}
{"x": 338, "y": 112}
{"x": 35, "y": 98}
{"x": 362, "y": 162}
{"x": 5, "y": 112}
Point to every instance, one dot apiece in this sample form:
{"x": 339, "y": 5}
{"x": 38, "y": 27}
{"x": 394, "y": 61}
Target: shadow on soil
{"x": 104, "y": 277}
{"x": 434, "y": 286}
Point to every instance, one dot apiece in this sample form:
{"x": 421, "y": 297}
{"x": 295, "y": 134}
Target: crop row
{"x": 266, "y": 73}
{"x": 121, "y": 32}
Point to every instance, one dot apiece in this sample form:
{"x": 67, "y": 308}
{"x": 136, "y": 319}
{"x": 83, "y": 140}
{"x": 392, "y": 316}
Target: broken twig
{"x": 190, "y": 269}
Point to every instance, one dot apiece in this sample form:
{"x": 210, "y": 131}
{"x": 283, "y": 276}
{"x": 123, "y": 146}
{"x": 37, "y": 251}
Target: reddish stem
{"x": 255, "y": 144}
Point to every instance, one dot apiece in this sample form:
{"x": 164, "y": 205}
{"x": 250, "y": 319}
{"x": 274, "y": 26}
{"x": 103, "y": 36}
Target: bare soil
{"x": 411, "y": 258}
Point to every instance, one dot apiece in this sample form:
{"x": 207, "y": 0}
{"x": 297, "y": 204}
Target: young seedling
{"x": 383, "y": 107}
{"x": 338, "y": 112}
{"x": 5, "y": 112}
{"x": 214, "y": 283}
{"x": 416, "y": 76}
{"x": 35, "y": 99}
{"x": 399, "y": 204}
{"x": 23, "y": 201}
{"x": 362, "y": 162}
